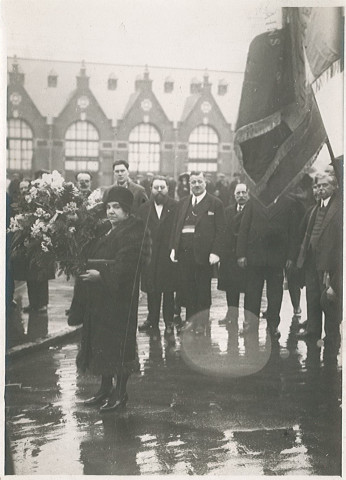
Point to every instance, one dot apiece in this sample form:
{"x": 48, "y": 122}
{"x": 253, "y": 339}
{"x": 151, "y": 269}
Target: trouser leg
{"x": 37, "y": 293}
{"x": 154, "y": 308}
{"x": 188, "y": 287}
{"x": 294, "y": 289}
{"x": 168, "y": 308}
{"x": 274, "y": 279}
{"x": 313, "y": 296}
{"x": 253, "y": 295}
{"x": 232, "y": 297}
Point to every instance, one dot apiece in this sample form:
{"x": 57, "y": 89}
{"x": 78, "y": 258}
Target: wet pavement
{"x": 225, "y": 403}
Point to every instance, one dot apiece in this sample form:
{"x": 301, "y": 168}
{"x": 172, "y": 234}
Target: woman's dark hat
{"x": 121, "y": 195}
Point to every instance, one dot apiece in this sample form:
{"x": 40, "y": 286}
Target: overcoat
{"x": 209, "y": 230}
{"x": 330, "y": 235}
{"x": 231, "y": 276}
{"x": 268, "y": 236}
{"x": 110, "y": 315}
{"x": 160, "y": 275}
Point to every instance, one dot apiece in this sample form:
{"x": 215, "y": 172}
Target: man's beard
{"x": 160, "y": 199}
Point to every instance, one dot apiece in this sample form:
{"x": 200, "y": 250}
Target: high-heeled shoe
{"x": 97, "y": 399}
{"x": 114, "y": 405}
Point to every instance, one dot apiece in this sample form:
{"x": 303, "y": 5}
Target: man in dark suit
{"x": 232, "y": 278}
{"x": 197, "y": 243}
{"x": 159, "y": 278}
{"x": 321, "y": 257}
{"x": 122, "y": 178}
{"x": 266, "y": 244}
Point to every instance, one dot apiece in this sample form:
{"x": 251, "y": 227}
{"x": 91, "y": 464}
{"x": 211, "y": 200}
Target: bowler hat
{"x": 119, "y": 194}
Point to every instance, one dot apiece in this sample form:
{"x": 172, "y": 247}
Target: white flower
{"x": 72, "y": 229}
{"x": 44, "y": 247}
{"x": 38, "y": 228}
{"x": 94, "y": 198}
{"x": 47, "y": 240}
{"x": 40, "y": 213}
{"x": 15, "y": 223}
{"x": 70, "y": 207}
{"x": 54, "y": 179}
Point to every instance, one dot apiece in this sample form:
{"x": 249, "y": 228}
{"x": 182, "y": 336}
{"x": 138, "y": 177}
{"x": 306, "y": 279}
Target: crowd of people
{"x": 170, "y": 238}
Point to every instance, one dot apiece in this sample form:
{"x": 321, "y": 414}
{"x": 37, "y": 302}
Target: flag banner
{"x": 322, "y": 29}
{"x": 279, "y": 129}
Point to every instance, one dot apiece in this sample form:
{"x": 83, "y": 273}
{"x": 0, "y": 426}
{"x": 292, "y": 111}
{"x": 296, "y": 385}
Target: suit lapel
{"x": 331, "y": 211}
{"x": 184, "y": 208}
{"x": 204, "y": 206}
{"x": 166, "y": 209}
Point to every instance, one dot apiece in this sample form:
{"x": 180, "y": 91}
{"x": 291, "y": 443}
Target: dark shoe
{"x": 97, "y": 399}
{"x": 145, "y": 326}
{"x": 113, "y": 406}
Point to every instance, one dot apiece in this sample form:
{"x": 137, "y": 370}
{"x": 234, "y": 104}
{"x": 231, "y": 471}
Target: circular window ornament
{"x": 83, "y": 102}
{"x": 146, "y": 105}
{"x": 15, "y": 98}
{"x": 206, "y": 107}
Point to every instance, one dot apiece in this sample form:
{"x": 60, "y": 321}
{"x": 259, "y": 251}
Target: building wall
{"x": 143, "y": 107}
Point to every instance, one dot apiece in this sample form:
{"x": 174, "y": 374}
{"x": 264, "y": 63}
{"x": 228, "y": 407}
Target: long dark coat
{"x": 231, "y": 276}
{"x": 160, "y": 275}
{"x": 268, "y": 237}
{"x": 110, "y": 317}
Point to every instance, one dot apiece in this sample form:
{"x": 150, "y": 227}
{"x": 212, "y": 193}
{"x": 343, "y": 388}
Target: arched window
{"x": 203, "y": 149}
{"x": 82, "y": 147}
{"x": 144, "y": 149}
{"x": 20, "y": 145}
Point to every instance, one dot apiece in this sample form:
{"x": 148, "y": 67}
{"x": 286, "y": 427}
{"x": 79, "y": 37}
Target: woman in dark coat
{"x": 108, "y": 345}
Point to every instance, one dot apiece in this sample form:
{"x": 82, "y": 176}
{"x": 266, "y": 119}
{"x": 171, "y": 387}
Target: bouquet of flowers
{"x": 54, "y": 223}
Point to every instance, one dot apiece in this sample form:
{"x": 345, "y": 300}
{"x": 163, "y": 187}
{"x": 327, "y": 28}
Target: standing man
{"x": 321, "y": 256}
{"x": 83, "y": 183}
{"x": 266, "y": 245}
{"x": 159, "y": 278}
{"x": 223, "y": 189}
{"x": 122, "y": 179}
{"x": 232, "y": 278}
{"x": 197, "y": 243}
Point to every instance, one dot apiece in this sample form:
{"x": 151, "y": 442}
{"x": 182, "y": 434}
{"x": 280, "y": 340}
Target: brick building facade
{"x": 69, "y": 117}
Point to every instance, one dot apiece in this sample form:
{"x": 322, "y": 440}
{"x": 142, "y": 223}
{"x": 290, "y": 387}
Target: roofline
{"x": 78, "y": 62}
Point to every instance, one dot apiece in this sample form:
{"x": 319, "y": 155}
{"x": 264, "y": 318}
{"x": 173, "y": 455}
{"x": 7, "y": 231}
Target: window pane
{"x": 20, "y": 145}
{"x": 144, "y": 148}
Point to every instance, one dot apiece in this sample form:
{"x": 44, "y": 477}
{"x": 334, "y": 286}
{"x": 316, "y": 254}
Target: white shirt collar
{"x": 325, "y": 202}
{"x": 159, "y": 209}
{"x": 199, "y": 198}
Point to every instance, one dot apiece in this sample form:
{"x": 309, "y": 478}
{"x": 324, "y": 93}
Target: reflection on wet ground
{"x": 192, "y": 408}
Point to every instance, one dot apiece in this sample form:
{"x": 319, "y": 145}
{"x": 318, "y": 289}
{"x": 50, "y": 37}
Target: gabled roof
{"x": 115, "y": 103}
{"x": 190, "y": 105}
{"x": 131, "y": 102}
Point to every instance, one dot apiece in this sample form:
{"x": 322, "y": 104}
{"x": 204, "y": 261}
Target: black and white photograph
{"x": 173, "y": 244}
